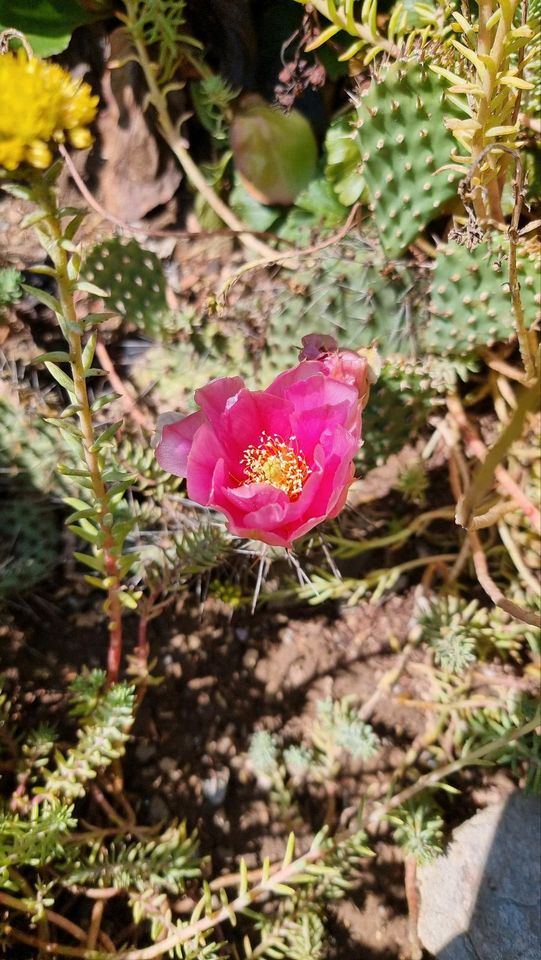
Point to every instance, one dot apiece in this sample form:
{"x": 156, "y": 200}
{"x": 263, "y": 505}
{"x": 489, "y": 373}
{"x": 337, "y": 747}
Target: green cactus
{"x": 10, "y": 286}
{"x": 28, "y": 543}
{"x": 137, "y": 457}
{"x": 404, "y": 142}
{"x": 351, "y": 293}
{"x": 470, "y": 304}
{"x": 403, "y": 399}
{"x": 175, "y": 370}
{"x": 134, "y": 281}
{"x": 30, "y": 450}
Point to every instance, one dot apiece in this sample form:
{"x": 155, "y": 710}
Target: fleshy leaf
{"x": 46, "y": 24}
{"x": 275, "y": 153}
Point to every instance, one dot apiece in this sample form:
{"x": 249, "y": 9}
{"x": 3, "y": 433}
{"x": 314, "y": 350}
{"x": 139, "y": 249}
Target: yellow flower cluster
{"x": 40, "y": 103}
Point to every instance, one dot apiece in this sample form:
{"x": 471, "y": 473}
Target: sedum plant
{"x": 62, "y": 109}
{"x": 52, "y": 851}
{"x": 336, "y": 737}
{"x": 10, "y": 287}
{"x": 498, "y": 45}
{"x": 417, "y": 829}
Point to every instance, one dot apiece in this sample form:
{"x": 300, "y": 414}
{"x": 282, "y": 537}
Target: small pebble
{"x": 167, "y": 765}
{"x": 158, "y": 809}
{"x": 215, "y": 786}
{"x": 250, "y": 658}
{"x": 145, "y": 752}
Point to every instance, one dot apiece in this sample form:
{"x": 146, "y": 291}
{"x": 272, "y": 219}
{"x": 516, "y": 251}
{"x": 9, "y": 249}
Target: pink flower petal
{"x": 318, "y": 403}
{"x": 176, "y": 441}
{"x": 206, "y": 466}
{"x": 271, "y": 517}
{"x": 217, "y": 395}
{"x": 325, "y": 489}
{"x": 349, "y": 367}
{"x": 321, "y": 404}
{"x": 262, "y": 514}
{"x": 254, "y": 413}
{"x": 303, "y": 371}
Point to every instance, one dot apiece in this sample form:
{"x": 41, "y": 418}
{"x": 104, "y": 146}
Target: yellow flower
{"x": 40, "y": 103}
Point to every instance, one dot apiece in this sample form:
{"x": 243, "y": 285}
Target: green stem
{"x": 483, "y": 477}
{"x": 469, "y": 759}
{"x": 285, "y": 874}
{"x": 71, "y": 328}
{"x": 26, "y": 889}
{"x": 177, "y": 145}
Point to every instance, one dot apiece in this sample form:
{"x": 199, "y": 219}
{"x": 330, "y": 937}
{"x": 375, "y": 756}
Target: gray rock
{"x": 215, "y": 786}
{"x": 482, "y": 901}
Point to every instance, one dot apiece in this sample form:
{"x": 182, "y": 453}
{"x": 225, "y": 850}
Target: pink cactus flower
{"x": 278, "y": 461}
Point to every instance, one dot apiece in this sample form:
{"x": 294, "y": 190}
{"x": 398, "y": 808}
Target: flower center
{"x": 277, "y": 463}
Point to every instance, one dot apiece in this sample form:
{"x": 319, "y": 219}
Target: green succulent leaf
{"x": 46, "y": 24}
{"x": 60, "y": 377}
{"x": 45, "y": 298}
{"x": 275, "y": 153}
{"x": 258, "y": 216}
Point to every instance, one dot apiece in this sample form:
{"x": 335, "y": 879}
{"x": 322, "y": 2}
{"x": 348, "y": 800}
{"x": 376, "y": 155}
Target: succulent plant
{"x": 134, "y": 282}
{"x": 28, "y": 543}
{"x": 263, "y": 753}
{"x": 458, "y": 630}
{"x": 10, "y": 286}
{"x": 470, "y": 303}
{"x": 350, "y": 293}
{"x": 402, "y": 399}
{"x": 404, "y": 142}
{"x": 30, "y": 449}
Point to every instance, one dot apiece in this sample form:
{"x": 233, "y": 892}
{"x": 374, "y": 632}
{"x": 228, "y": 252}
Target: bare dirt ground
{"x": 226, "y": 675}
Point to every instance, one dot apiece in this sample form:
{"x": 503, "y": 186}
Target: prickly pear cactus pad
{"x": 132, "y": 277}
{"x": 403, "y": 399}
{"x": 176, "y": 370}
{"x": 30, "y": 449}
{"x": 353, "y": 294}
{"x": 28, "y": 543}
{"x": 404, "y": 141}
{"x": 470, "y": 303}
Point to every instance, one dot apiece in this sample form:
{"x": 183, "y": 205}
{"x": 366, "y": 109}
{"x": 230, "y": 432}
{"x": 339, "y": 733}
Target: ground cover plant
{"x": 270, "y": 476}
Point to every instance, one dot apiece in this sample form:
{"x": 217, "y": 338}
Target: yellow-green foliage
{"x": 489, "y": 75}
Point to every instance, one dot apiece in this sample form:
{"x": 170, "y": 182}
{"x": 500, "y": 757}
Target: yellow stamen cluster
{"x": 40, "y": 103}
{"x": 277, "y": 463}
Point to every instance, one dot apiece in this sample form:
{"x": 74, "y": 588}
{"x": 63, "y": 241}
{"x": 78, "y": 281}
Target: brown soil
{"x": 226, "y": 675}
